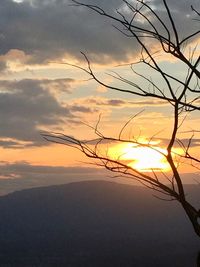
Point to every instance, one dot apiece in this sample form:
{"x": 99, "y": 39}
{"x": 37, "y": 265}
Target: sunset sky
{"x": 38, "y": 93}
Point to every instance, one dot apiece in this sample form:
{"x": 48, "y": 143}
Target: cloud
{"x": 195, "y": 142}
{"x": 12, "y": 143}
{"x": 48, "y": 29}
{"x": 3, "y": 66}
{"x": 116, "y": 103}
{"x": 26, "y": 106}
{"x": 182, "y": 15}
{"x": 20, "y": 175}
{"x": 82, "y": 109}
{"x": 26, "y": 170}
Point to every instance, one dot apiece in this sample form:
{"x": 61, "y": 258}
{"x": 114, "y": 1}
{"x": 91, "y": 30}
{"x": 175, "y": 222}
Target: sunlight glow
{"x": 141, "y": 158}
{"x": 147, "y": 159}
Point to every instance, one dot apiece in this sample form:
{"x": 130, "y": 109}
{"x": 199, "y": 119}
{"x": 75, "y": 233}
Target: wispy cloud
{"x": 117, "y": 102}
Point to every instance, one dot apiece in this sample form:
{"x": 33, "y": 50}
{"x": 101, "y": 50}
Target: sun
{"x": 147, "y": 159}
{"x": 142, "y": 158}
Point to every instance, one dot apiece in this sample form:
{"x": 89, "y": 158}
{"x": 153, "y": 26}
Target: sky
{"x": 39, "y": 92}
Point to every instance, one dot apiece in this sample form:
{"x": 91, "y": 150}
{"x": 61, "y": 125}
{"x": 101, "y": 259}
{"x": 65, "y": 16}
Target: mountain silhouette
{"x": 95, "y": 224}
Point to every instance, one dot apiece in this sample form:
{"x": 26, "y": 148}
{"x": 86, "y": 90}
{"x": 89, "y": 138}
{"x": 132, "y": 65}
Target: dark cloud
{"x": 140, "y": 103}
{"x": 26, "y": 106}
{"x": 118, "y": 103}
{"x": 182, "y": 15}
{"x": 195, "y": 142}
{"x": 82, "y": 109}
{"x": 47, "y": 29}
{"x": 11, "y": 144}
{"x": 3, "y": 66}
{"x": 107, "y": 102}
{"x": 25, "y": 170}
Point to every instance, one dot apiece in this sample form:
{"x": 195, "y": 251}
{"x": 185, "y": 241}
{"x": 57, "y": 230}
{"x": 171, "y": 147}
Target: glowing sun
{"x": 147, "y": 159}
{"x": 142, "y": 158}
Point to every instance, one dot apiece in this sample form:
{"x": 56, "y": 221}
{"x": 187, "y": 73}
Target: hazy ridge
{"x": 95, "y": 224}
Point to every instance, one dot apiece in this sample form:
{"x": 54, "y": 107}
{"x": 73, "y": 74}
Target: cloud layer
{"x": 46, "y": 30}
{"x": 21, "y": 175}
{"x": 49, "y": 29}
{"x": 25, "y": 107}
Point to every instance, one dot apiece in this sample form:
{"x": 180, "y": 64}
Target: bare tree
{"x": 142, "y": 22}
{"x": 198, "y": 259}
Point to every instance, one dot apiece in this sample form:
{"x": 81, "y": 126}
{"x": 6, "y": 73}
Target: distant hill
{"x": 92, "y": 224}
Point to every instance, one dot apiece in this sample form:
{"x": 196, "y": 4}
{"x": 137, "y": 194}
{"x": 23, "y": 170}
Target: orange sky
{"x": 39, "y": 93}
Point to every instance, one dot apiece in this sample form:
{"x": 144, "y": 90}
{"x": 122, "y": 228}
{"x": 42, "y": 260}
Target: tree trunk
{"x": 198, "y": 259}
{"x": 193, "y": 215}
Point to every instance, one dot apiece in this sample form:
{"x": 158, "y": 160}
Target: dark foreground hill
{"x": 92, "y": 224}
